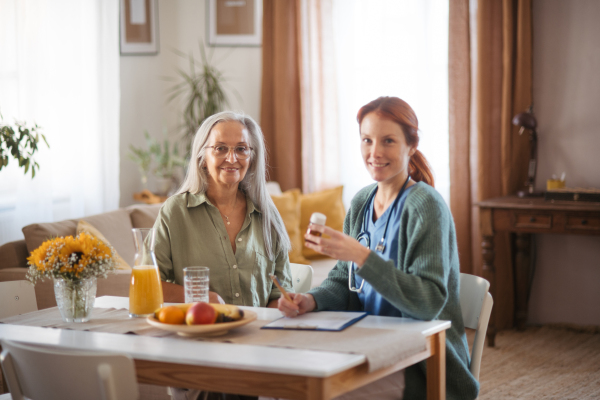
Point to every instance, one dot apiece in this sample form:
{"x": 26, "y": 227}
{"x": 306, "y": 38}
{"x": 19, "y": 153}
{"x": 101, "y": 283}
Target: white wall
{"x": 566, "y": 92}
{"x": 182, "y": 25}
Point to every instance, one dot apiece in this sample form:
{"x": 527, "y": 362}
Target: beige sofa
{"x": 114, "y": 225}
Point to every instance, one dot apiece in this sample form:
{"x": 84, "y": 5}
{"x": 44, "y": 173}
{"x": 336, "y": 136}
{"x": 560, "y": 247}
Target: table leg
{"x": 436, "y": 368}
{"x": 316, "y": 389}
{"x": 489, "y": 273}
{"x": 522, "y": 265}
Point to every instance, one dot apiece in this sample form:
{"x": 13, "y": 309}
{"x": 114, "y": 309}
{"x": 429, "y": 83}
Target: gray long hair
{"x": 254, "y": 183}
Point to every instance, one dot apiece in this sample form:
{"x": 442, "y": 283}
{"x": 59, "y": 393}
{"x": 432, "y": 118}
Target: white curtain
{"x": 391, "y": 48}
{"x": 320, "y": 133}
{"x": 60, "y": 69}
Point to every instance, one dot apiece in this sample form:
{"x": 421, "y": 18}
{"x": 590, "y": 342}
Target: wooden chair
{"x": 301, "y": 277}
{"x": 41, "y": 373}
{"x": 476, "y": 304}
{"x": 16, "y": 297}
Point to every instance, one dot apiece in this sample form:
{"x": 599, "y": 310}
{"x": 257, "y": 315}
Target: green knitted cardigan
{"x": 424, "y": 285}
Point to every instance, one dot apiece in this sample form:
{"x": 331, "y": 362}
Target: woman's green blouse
{"x": 190, "y": 232}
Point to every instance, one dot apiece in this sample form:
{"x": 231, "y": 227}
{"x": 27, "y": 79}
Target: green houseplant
{"x": 143, "y": 159}
{"x": 21, "y": 143}
{"x": 162, "y": 159}
{"x": 202, "y": 90}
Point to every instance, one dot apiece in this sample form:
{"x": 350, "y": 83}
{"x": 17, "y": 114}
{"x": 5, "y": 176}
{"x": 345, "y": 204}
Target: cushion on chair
{"x": 328, "y": 202}
{"x": 288, "y": 206}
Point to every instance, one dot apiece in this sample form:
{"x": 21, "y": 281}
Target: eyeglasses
{"x": 240, "y": 152}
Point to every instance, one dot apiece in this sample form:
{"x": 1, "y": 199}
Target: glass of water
{"x": 195, "y": 284}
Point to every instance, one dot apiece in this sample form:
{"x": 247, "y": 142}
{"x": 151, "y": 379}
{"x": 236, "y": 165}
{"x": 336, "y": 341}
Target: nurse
{"x": 397, "y": 255}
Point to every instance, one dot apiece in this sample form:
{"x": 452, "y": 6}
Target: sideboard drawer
{"x": 583, "y": 223}
{"x": 531, "y": 220}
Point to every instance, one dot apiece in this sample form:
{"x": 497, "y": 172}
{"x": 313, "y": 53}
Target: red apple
{"x": 200, "y": 314}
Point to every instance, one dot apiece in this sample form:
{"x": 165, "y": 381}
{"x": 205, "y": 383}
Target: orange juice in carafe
{"x": 145, "y": 291}
{"x": 145, "y": 288}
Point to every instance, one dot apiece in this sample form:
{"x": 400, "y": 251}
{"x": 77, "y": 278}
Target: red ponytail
{"x": 400, "y": 112}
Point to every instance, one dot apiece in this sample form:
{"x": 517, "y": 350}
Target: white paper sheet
{"x": 323, "y": 321}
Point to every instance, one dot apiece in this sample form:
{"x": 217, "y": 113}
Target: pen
{"x": 283, "y": 292}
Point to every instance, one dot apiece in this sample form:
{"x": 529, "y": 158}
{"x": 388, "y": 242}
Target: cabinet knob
{"x": 584, "y": 222}
{"x": 532, "y": 219}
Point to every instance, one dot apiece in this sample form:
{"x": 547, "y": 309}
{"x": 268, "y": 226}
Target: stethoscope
{"x": 365, "y": 238}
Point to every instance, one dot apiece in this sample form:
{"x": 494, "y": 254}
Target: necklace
{"x": 226, "y": 217}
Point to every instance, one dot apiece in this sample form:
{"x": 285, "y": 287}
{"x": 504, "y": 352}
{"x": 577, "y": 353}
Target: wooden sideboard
{"x": 524, "y": 217}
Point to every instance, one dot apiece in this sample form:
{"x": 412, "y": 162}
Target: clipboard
{"x": 333, "y": 321}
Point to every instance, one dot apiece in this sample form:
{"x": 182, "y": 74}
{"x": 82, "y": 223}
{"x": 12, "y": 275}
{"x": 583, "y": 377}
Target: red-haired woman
{"x": 398, "y": 249}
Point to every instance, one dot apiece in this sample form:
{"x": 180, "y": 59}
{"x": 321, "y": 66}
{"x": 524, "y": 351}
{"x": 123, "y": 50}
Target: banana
{"x": 229, "y": 312}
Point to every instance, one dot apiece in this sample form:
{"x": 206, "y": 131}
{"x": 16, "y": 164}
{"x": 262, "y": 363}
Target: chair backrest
{"x": 476, "y": 304}
{"x": 301, "y": 277}
{"x": 41, "y": 373}
{"x": 16, "y": 297}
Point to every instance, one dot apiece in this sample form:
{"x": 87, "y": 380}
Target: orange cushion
{"x": 328, "y": 202}
{"x": 288, "y": 206}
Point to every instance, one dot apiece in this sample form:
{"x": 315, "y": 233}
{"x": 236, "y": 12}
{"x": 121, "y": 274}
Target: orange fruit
{"x": 171, "y": 315}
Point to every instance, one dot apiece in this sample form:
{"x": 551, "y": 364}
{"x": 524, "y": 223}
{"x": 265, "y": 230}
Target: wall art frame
{"x": 234, "y": 22}
{"x": 139, "y": 27}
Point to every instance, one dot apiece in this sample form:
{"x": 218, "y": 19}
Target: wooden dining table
{"x": 280, "y": 372}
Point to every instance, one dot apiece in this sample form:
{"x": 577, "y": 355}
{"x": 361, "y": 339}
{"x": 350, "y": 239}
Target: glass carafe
{"x": 145, "y": 289}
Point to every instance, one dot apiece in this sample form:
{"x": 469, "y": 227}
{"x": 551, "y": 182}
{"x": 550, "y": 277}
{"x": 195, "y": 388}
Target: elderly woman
{"x": 222, "y": 217}
{"x": 398, "y": 249}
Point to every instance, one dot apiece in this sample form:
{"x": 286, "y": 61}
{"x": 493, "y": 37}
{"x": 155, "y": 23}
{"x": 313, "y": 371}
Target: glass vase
{"x": 75, "y": 299}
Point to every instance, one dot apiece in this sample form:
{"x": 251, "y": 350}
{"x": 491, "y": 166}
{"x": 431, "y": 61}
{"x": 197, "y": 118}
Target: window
{"x": 60, "y": 69}
{"x": 392, "y": 48}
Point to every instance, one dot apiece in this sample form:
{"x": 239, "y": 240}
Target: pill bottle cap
{"x": 318, "y": 218}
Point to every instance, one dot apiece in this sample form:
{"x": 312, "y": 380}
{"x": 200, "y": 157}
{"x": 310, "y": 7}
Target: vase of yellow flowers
{"x": 74, "y": 263}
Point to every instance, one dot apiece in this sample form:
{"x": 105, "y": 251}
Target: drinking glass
{"x": 195, "y": 283}
{"x": 145, "y": 289}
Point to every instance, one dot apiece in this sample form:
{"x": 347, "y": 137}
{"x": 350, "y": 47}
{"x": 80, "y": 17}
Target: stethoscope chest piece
{"x": 380, "y": 246}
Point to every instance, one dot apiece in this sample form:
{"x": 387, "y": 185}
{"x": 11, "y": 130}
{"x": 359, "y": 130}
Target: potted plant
{"x": 166, "y": 159}
{"x": 202, "y": 90}
{"x": 143, "y": 159}
{"x": 20, "y": 142}
{"x": 162, "y": 159}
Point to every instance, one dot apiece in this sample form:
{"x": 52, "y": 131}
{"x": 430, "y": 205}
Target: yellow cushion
{"x": 289, "y": 208}
{"x": 328, "y": 202}
{"x": 84, "y": 226}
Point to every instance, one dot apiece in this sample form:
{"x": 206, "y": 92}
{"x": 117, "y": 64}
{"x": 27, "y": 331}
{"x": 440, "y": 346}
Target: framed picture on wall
{"x": 234, "y": 22}
{"x": 139, "y": 27}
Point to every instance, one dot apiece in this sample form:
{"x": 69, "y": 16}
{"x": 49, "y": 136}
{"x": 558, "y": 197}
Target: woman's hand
{"x": 213, "y": 297}
{"x": 300, "y": 304}
{"x": 340, "y": 246}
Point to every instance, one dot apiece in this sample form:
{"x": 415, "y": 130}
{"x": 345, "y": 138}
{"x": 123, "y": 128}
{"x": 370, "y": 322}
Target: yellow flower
{"x": 71, "y": 258}
{"x": 44, "y": 256}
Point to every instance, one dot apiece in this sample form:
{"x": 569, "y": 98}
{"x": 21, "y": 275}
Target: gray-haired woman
{"x": 222, "y": 217}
